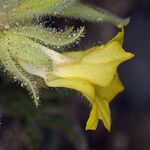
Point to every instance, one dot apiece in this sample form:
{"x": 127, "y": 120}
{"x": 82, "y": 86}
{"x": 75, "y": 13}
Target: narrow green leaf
{"x": 21, "y": 47}
{"x": 16, "y": 71}
{"x": 29, "y": 8}
{"x": 51, "y": 36}
{"x": 90, "y": 13}
{"x": 13, "y": 48}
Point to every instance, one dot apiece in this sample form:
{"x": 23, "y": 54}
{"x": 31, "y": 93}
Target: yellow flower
{"x": 94, "y": 73}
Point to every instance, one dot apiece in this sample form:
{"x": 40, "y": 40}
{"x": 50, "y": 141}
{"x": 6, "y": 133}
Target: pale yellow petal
{"x": 80, "y": 85}
{"x": 108, "y": 93}
{"x": 98, "y": 67}
{"x": 119, "y": 37}
{"x": 92, "y": 122}
{"x": 104, "y": 113}
{"x": 78, "y": 54}
{"x": 108, "y": 53}
{"x": 100, "y": 111}
{"x": 94, "y": 75}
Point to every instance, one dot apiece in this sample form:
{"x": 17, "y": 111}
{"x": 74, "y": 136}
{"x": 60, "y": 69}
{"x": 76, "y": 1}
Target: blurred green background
{"x": 58, "y": 124}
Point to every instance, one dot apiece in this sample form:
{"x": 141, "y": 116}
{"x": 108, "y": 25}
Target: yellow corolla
{"x": 94, "y": 73}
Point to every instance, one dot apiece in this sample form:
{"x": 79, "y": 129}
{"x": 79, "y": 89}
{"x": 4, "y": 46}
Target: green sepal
{"x": 91, "y": 13}
{"x": 50, "y": 36}
{"x": 30, "y": 8}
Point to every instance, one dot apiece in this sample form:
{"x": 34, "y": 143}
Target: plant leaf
{"x": 90, "y": 13}
{"x": 21, "y": 47}
{"x": 13, "y": 68}
{"x": 29, "y": 8}
{"x": 50, "y": 36}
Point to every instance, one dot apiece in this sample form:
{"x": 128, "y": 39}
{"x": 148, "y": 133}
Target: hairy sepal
{"x": 91, "y": 13}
